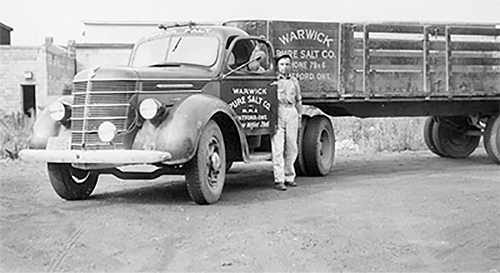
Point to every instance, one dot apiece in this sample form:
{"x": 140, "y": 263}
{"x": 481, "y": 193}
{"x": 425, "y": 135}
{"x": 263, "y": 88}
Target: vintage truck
{"x": 196, "y": 98}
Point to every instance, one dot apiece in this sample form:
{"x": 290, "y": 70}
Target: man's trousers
{"x": 284, "y": 143}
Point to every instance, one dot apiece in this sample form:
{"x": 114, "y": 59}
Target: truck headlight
{"x": 149, "y": 108}
{"x": 106, "y": 131}
{"x": 58, "y": 111}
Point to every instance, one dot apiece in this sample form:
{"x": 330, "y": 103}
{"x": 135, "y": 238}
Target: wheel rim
{"x": 214, "y": 163}
{"x": 456, "y": 134}
{"x": 79, "y": 176}
{"x": 450, "y": 136}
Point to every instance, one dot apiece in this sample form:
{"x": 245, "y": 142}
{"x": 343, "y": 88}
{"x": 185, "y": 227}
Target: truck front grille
{"x": 95, "y": 102}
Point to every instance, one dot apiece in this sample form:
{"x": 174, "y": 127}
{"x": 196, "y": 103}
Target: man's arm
{"x": 298, "y": 98}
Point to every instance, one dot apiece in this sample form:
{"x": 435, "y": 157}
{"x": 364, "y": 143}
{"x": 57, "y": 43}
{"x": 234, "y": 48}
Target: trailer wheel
{"x": 205, "y": 173}
{"x": 429, "y": 141}
{"x": 450, "y": 137}
{"x": 300, "y": 165}
{"x": 71, "y": 183}
{"x": 492, "y": 138}
{"x": 319, "y": 146}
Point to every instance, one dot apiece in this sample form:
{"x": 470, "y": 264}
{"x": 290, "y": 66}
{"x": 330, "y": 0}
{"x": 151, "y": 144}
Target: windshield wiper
{"x": 165, "y": 64}
{"x": 177, "y": 64}
{"x": 177, "y": 44}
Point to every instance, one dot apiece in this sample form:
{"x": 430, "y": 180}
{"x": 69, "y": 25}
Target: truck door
{"x": 249, "y": 86}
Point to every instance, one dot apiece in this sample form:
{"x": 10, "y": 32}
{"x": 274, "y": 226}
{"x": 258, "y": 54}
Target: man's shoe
{"x": 280, "y": 186}
{"x": 291, "y": 184}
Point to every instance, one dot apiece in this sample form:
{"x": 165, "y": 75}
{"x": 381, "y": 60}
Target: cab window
{"x": 250, "y": 56}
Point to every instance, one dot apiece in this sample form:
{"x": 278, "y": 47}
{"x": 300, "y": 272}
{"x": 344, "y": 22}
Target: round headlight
{"x": 57, "y": 111}
{"x": 106, "y": 131}
{"x": 149, "y": 108}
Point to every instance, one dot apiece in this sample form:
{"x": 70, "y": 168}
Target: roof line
{"x": 6, "y": 26}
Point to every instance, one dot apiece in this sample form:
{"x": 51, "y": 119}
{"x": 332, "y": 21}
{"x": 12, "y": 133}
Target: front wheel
{"x": 206, "y": 172}
{"x": 318, "y": 146}
{"x": 492, "y": 138}
{"x": 71, "y": 183}
{"x": 451, "y": 137}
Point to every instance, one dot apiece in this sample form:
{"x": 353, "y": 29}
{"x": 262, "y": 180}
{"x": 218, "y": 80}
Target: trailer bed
{"x": 382, "y": 69}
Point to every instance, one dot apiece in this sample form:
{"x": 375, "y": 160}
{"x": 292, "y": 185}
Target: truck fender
{"x": 45, "y": 127}
{"x": 180, "y": 133}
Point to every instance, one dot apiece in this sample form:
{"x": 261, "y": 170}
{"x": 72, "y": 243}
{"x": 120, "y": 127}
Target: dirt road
{"x": 408, "y": 211}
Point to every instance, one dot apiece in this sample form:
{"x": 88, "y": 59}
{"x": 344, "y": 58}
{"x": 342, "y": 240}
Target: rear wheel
{"x": 492, "y": 138}
{"x": 319, "y": 146}
{"x": 452, "y": 137}
{"x": 71, "y": 183}
{"x": 429, "y": 141}
{"x": 206, "y": 172}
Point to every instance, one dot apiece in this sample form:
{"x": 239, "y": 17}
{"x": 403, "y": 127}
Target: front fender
{"x": 179, "y": 134}
{"x": 45, "y": 127}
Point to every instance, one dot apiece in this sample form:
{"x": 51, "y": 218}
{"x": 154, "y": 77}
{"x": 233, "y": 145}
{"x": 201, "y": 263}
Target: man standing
{"x": 284, "y": 141}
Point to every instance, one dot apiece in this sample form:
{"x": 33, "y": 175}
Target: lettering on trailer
{"x": 314, "y": 48}
{"x": 306, "y": 34}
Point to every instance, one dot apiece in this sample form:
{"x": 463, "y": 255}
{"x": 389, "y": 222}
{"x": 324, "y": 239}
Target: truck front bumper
{"x": 117, "y": 157}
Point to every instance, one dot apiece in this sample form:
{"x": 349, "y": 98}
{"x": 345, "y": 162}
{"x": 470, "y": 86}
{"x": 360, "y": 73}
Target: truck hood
{"x": 114, "y": 73}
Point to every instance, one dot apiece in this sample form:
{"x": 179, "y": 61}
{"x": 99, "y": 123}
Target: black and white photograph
{"x": 250, "y": 136}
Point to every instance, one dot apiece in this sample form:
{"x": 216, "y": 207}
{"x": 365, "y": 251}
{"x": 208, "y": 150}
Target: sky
{"x": 33, "y": 20}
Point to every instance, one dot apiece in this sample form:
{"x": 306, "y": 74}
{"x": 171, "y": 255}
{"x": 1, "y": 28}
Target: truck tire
{"x": 492, "y": 138}
{"x": 319, "y": 146}
{"x": 300, "y": 165}
{"x": 449, "y": 136}
{"x": 206, "y": 172}
{"x": 71, "y": 183}
{"x": 428, "y": 126}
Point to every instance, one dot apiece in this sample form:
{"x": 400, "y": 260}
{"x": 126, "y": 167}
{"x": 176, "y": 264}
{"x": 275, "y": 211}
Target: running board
{"x": 260, "y": 156}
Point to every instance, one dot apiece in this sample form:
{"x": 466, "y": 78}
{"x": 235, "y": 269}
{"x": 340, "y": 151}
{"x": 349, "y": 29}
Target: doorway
{"x": 29, "y": 103}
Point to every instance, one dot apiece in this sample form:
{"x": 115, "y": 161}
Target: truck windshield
{"x": 175, "y": 50}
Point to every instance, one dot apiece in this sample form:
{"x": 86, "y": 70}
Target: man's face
{"x": 284, "y": 66}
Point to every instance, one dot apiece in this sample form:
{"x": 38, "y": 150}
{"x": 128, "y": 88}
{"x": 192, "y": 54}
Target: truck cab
{"x": 192, "y": 100}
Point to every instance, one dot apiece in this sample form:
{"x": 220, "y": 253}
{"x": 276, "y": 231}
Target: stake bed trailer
{"x": 194, "y": 99}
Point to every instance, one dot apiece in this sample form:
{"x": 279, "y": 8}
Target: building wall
{"x": 14, "y": 62}
{"x": 4, "y": 36}
{"x": 60, "y": 72}
{"x": 52, "y": 71}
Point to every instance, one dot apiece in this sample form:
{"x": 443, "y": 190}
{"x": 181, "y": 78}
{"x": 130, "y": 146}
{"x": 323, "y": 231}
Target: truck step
{"x": 260, "y": 156}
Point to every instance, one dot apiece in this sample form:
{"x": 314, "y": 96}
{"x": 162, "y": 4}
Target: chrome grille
{"x": 95, "y": 102}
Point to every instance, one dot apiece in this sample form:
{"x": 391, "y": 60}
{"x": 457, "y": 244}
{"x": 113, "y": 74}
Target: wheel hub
{"x": 214, "y": 163}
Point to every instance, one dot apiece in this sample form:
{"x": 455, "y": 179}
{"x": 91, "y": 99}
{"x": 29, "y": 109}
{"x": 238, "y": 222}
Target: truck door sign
{"x": 252, "y": 107}
{"x": 248, "y": 89}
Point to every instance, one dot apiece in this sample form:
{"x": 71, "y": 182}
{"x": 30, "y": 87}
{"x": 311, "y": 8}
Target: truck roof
{"x": 223, "y": 32}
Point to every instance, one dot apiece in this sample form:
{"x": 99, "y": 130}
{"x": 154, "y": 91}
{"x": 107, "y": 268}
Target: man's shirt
{"x": 288, "y": 90}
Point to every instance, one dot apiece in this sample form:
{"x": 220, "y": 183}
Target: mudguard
{"x": 45, "y": 127}
{"x": 180, "y": 133}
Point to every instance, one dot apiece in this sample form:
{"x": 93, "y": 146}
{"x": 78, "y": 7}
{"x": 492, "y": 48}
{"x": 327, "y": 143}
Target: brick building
{"x": 31, "y": 77}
